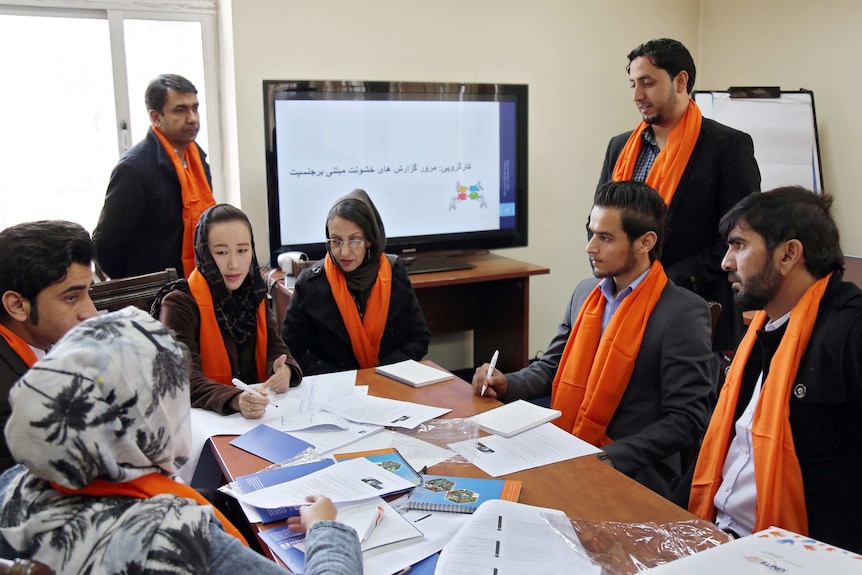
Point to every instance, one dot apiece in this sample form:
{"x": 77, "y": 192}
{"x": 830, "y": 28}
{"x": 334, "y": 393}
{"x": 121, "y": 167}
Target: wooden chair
{"x": 138, "y": 291}
{"x": 24, "y": 567}
{"x": 714, "y": 313}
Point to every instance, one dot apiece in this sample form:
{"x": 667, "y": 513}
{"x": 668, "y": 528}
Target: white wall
{"x": 572, "y": 54}
{"x": 798, "y": 44}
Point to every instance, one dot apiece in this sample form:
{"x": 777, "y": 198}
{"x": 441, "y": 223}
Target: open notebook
{"x": 513, "y": 418}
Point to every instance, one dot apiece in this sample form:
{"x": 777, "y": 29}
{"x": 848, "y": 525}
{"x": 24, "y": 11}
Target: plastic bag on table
{"x": 443, "y": 431}
{"x": 629, "y": 548}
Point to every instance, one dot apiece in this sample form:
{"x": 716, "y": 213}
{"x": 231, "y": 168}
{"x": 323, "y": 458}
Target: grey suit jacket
{"x": 664, "y": 411}
{"x": 12, "y": 367}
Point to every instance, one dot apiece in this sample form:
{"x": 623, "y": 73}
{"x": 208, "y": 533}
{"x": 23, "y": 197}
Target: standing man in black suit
{"x": 158, "y": 190}
{"x": 700, "y": 168}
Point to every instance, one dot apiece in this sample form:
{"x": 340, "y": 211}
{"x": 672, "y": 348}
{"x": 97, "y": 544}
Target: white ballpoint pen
{"x": 491, "y": 367}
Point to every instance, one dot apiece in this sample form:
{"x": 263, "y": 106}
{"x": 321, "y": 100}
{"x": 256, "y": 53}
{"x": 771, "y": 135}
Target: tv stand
{"x": 426, "y": 264}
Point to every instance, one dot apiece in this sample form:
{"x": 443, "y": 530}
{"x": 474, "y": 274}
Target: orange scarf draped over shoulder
{"x": 365, "y": 334}
{"x": 595, "y": 368}
{"x": 145, "y": 487}
{"x": 780, "y": 497}
{"x": 19, "y": 346}
{"x": 671, "y": 162}
{"x": 197, "y": 195}
{"x": 215, "y": 361}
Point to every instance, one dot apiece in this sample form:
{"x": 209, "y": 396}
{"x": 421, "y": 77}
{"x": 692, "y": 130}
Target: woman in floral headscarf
{"x": 100, "y": 425}
{"x": 222, "y": 315}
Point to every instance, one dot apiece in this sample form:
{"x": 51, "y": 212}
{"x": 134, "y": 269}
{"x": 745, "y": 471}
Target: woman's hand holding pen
{"x": 252, "y": 404}
{"x": 494, "y": 386}
{"x": 279, "y": 382}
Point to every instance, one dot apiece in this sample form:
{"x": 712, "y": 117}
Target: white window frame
{"x": 115, "y": 12}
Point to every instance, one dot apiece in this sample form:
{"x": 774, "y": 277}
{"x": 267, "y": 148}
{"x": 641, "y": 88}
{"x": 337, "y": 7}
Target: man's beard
{"x": 759, "y": 290}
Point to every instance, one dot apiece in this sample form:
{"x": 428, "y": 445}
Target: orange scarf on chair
{"x": 777, "y": 475}
{"x": 671, "y": 162}
{"x": 148, "y": 486}
{"x": 365, "y": 334}
{"x": 214, "y": 358}
{"x": 19, "y": 346}
{"x": 197, "y": 195}
{"x": 595, "y": 368}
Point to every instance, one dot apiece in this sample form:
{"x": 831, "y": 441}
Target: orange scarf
{"x": 672, "y": 160}
{"x": 365, "y": 334}
{"x": 214, "y": 358}
{"x": 777, "y": 475}
{"x": 595, "y": 368}
{"x": 145, "y": 487}
{"x": 197, "y": 195}
{"x": 18, "y": 345}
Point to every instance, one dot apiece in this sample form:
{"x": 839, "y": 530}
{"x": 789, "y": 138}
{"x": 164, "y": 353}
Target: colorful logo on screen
{"x": 467, "y": 193}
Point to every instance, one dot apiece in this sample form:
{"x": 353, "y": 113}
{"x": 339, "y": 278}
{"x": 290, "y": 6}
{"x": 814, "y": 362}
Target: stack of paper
{"x": 413, "y": 373}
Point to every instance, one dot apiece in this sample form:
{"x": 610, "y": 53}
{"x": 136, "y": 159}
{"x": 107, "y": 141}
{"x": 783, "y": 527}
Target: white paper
{"x": 505, "y": 537}
{"x": 326, "y": 440}
{"x": 438, "y": 529}
{"x": 772, "y": 550}
{"x": 352, "y": 480}
{"x": 416, "y": 452}
{"x": 543, "y": 445}
{"x": 391, "y": 528}
{"x": 382, "y": 411}
{"x": 304, "y": 401}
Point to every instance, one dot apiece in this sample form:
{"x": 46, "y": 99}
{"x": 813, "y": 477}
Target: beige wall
{"x": 798, "y": 44}
{"x": 572, "y": 55}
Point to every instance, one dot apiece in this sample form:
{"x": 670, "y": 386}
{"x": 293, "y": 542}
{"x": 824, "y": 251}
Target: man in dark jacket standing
{"x": 158, "y": 189}
{"x": 700, "y": 168}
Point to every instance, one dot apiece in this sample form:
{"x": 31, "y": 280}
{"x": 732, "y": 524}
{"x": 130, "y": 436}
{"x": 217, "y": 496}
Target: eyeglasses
{"x": 354, "y": 244}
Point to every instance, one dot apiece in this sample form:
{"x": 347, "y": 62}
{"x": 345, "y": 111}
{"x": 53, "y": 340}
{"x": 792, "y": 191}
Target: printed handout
{"x": 542, "y": 445}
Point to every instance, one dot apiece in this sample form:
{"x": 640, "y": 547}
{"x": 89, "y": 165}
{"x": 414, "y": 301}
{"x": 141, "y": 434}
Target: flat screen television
{"x": 445, "y": 163}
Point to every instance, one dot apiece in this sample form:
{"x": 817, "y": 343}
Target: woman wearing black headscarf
{"x": 221, "y": 314}
{"x": 356, "y": 307}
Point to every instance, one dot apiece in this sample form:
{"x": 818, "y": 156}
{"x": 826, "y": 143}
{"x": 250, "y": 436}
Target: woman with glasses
{"x": 355, "y": 308}
{"x": 221, "y": 313}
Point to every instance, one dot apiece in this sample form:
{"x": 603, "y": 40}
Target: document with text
{"x": 504, "y": 537}
{"x": 382, "y": 411}
{"x": 543, "y": 445}
{"x": 351, "y": 480}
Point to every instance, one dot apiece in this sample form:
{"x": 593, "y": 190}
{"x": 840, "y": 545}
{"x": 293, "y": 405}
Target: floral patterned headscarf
{"x": 109, "y": 401}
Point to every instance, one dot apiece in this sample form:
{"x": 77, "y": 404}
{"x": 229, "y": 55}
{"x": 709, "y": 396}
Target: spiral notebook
{"x": 513, "y": 418}
{"x": 460, "y": 494}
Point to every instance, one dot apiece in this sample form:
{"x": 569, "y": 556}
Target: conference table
{"x": 583, "y": 487}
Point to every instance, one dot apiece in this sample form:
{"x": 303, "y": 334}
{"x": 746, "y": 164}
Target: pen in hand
{"x": 490, "y": 371}
{"x": 246, "y": 387}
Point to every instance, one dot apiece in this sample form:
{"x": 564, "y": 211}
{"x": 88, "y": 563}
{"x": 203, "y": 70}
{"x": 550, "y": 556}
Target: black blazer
{"x": 140, "y": 229}
{"x": 722, "y": 170}
{"x": 315, "y": 333}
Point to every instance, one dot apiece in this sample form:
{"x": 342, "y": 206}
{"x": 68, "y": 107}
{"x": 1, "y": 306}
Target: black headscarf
{"x": 358, "y": 208}
{"x": 235, "y": 312}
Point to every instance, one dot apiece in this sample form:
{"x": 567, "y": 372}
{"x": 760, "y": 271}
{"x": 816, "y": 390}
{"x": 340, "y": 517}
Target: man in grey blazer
{"x": 663, "y": 399}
